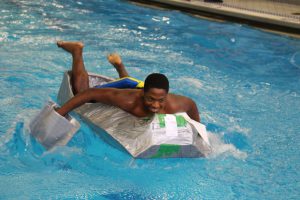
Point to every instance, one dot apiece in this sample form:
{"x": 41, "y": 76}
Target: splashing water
{"x": 245, "y": 83}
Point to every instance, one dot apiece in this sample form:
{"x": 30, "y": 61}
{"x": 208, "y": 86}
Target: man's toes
{"x": 59, "y": 43}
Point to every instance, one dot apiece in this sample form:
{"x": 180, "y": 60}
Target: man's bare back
{"x": 154, "y": 98}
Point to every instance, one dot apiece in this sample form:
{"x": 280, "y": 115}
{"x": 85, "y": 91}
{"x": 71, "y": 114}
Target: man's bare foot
{"x": 70, "y": 47}
{"x": 114, "y": 59}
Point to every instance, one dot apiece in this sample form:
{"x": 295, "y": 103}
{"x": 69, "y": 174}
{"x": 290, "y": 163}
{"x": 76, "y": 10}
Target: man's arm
{"x": 193, "y": 111}
{"x": 109, "y": 96}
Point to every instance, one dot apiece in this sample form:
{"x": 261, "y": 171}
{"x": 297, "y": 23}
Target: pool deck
{"x": 283, "y": 16}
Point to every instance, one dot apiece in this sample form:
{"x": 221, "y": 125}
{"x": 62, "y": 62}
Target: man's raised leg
{"x": 116, "y": 61}
{"x": 79, "y": 76}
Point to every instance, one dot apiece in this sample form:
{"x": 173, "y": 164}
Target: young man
{"x": 153, "y": 98}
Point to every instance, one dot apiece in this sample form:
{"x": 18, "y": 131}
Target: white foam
{"x": 294, "y": 59}
{"x": 56, "y": 28}
{"x": 142, "y": 28}
{"x": 239, "y": 129}
{"x": 165, "y": 18}
{"x": 8, "y": 101}
{"x": 3, "y": 36}
{"x": 202, "y": 67}
{"x": 24, "y": 117}
{"x": 156, "y": 19}
{"x": 65, "y": 151}
{"x": 57, "y": 5}
{"x": 219, "y": 148}
{"x": 192, "y": 82}
{"x": 136, "y": 69}
{"x": 209, "y": 116}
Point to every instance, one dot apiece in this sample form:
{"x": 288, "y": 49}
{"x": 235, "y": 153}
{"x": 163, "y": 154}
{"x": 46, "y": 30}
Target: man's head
{"x": 156, "y": 89}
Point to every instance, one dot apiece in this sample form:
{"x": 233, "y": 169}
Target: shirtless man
{"x": 153, "y": 98}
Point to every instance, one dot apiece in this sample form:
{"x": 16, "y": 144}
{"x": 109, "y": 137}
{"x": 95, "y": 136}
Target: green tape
{"x": 146, "y": 119}
{"x": 166, "y": 150}
{"x": 161, "y": 119}
{"x": 181, "y": 122}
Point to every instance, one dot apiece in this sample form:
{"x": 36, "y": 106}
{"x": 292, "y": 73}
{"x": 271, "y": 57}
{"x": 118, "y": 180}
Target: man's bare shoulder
{"x": 178, "y": 103}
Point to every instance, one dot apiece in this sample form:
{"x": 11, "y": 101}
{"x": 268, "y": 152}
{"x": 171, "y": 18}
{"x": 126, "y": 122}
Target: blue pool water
{"x": 246, "y": 83}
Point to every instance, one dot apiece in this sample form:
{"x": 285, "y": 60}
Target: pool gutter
{"x": 219, "y": 11}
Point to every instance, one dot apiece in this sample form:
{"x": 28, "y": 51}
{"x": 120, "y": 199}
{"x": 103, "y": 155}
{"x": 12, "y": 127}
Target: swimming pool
{"x": 245, "y": 82}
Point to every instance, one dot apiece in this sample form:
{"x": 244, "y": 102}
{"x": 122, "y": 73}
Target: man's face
{"x": 155, "y": 99}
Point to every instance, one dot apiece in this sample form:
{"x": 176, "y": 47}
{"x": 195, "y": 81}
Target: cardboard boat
{"x": 160, "y": 136}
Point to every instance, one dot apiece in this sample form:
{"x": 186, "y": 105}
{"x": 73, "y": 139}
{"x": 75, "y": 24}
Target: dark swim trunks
{"x": 122, "y": 83}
